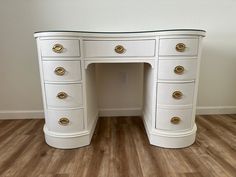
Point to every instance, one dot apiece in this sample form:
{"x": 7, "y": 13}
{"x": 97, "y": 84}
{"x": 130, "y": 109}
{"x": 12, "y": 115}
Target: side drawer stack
{"x": 177, "y": 72}
{"x": 63, "y": 87}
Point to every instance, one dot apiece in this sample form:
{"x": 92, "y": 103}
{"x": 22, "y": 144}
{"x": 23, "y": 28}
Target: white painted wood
{"x": 165, "y": 91}
{"x": 138, "y": 34}
{"x": 163, "y": 119}
{"x": 155, "y": 49}
{"x": 72, "y": 71}
{"x": 91, "y": 94}
{"x": 106, "y": 48}
{"x": 121, "y": 60}
{"x": 74, "y": 92}
{"x": 76, "y": 120}
{"x": 71, "y": 48}
{"x": 166, "y": 70}
{"x": 167, "y": 46}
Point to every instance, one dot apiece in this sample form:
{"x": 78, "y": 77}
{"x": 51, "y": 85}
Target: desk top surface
{"x": 117, "y": 33}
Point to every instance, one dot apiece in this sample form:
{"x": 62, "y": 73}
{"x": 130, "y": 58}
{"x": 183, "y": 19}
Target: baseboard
{"x": 207, "y": 110}
{"x": 120, "y": 112}
{"x": 39, "y": 114}
{"x": 22, "y": 114}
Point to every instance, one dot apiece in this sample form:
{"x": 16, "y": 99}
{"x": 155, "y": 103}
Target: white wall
{"x": 20, "y": 88}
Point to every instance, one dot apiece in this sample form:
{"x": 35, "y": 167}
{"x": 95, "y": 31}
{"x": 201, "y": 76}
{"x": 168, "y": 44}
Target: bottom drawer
{"x": 172, "y": 119}
{"x": 65, "y": 121}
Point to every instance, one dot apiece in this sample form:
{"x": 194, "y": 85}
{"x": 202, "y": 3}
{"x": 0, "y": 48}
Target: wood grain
{"x": 119, "y": 148}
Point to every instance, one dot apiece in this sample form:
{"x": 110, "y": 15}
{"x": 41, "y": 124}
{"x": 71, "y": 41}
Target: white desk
{"x": 67, "y": 69}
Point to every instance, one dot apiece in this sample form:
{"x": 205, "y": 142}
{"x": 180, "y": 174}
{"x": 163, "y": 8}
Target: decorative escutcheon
{"x": 179, "y": 69}
{"x": 60, "y": 71}
{"x": 175, "y": 120}
{"x": 177, "y": 95}
{"x": 62, "y": 95}
{"x": 119, "y": 49}
{"x": 64, "y": 121}
{"x": 58, "y": 48}
{"x": 180, "y": 47}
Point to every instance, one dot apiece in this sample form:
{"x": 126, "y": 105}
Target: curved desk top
{"x": 121, "y": 33}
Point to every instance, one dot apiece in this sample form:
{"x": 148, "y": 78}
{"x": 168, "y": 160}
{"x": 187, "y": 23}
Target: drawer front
{"x": 119, "y": 48}
{"x": 173, "y": 119}
{"x": 63, "y": 121}
{"x": 64, "y": 95}
{"x": 175, "y": 94}
{"x": 62, "y": 71}
{"x": 177, "y": 69}
{"x": 175, "y": 47}
{"x": 56, "y": 48}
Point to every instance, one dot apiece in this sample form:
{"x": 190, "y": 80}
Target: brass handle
{"x": 177, "y": 95}
{"x": 119, "y": 49}
{"x": 175, "y": 120}
{"x": 180, "y": 47}
{"x": 58, "y": 48}
{"x": 60, "y": 71}
{"x": 179, "y": 69}
{"x": 62, "y": 95}
{"x": 64, "y": 121}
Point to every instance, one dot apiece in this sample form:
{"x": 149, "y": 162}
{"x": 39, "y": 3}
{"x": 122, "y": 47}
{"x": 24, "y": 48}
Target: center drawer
{"x": 64, "y": 95}
{"x": 119, "y": 48}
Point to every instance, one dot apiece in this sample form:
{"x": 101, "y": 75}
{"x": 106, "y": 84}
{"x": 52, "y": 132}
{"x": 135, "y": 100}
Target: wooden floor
{"x": 119, "y": 148}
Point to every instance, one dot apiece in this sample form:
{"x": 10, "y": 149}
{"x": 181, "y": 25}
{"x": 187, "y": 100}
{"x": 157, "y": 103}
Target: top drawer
{"x": 178, "y": 46}
{"x": 57, "y": 48}
{"x": 119, "y": 48}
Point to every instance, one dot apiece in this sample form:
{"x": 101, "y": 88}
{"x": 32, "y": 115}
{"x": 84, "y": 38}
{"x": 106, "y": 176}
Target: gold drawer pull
{"x": 60, "y": 71}
{"x": 180, "y": 47}
{"x": 177, "y": 95}
{"x": 179, "y": 69}
{"x": 175, "y": 120}
{"x": 119, "y": 49}
{"x": 64, "y": 121}
{"x": 62, "y": 95}
{"x": 58, "y": 48}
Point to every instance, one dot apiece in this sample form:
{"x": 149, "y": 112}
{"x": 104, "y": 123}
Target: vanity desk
{"x": 67, "y": 61}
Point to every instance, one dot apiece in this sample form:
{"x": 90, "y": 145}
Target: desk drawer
{"x": 177, "y": 69}
{"x": 61, "y": 71}
{"x": 64, "y": 121}
{"x": 60, "y": 48}
{"x": 173, "y": 119}
{"x": 64, "y": 95}
{"x": 181, "y": 47}
{"x": 119, "y": 48}
{"x": 175, "y": 94}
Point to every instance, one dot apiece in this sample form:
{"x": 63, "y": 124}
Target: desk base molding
{"x": 69, "y": 140}
{"x": 170, "y": 140}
